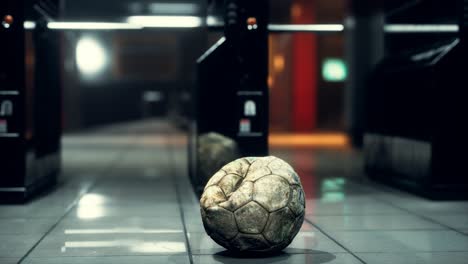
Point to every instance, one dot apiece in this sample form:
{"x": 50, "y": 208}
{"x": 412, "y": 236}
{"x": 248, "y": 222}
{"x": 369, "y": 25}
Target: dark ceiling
{"x": 117, "y": 9}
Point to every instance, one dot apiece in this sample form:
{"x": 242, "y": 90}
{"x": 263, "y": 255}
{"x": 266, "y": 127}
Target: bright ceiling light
{"x": 409, "y": 28}
{"x": 307, "y": 28}
{"x": 166, "y": 21}
{"x": 91, "y": 57}
{"x": 29, "y": 25}
{"x": 91, "y": 26}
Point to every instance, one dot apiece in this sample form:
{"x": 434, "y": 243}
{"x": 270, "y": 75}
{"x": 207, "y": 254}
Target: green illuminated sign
{"x": 334, "y": 70}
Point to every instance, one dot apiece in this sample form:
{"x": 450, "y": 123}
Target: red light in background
{"x": 8, "y": 19}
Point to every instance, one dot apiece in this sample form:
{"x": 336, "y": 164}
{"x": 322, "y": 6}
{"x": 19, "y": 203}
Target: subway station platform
{"x": 124, "y": 197}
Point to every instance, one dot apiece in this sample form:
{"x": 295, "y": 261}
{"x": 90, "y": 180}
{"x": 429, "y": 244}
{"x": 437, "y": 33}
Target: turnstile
{"x": 232, "y": 96}
{"x": 30, "y": 100}
{"x": 416, "y": 110}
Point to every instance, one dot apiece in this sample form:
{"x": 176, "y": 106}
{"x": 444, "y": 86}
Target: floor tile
{"x": 315, "y": 257}
{"x": 31, "y": 211}
{"x": 201, "y": 243}
{"x": 127, "y": 197}
{"x": 317, "y": 207}
{"x": 120, "y": 225}
{"x": 415, "y": 258}
{"x": 402, "y": 241}
{"x": 9, "y": 260}
{"x": 17, "y": 226}
{"x": 111, "y": 244}
{"x": 373, "y": 222}
{"x": 429, "y": 207}
{"x": 104, "y": 211}
{"x": 175, "y": 259}
{"x": 459, "y": 221}
{"x": 134, "y": 176}
{"x": 13, "y": 246}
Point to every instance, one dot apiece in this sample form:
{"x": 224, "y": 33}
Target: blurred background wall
{"x": 120, "y": 75}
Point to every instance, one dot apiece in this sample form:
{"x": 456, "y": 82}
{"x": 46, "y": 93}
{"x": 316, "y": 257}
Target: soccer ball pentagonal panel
{"x": 272, "y": 192}
{"x": 220, "y": 221}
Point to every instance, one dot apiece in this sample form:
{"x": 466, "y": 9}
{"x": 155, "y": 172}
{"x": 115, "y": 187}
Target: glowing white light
{"x": 90, "y": 56}
{"x": 133, "y": 245}
{"x": 166, "y": 21}
{"x": 91, "y": 244}
{"x": 214, "y": 21}
{"x": 91, "y": 26}
{"x": 29, "y": 25}
{"x": 307, "y": 28}
{"x": 409, "y": 28}
{"x": 90, "y": 212}
{"x": 159, "y": 247}
{"x": 91, "y": 199}
{"x": 120, "y": 231}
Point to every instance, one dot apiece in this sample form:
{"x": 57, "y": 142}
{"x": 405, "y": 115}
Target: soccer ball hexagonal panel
{"x": 251, "y": 218}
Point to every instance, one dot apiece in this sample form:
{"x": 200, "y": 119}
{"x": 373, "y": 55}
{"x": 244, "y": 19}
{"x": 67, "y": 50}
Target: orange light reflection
{"x": 330, "y": 140}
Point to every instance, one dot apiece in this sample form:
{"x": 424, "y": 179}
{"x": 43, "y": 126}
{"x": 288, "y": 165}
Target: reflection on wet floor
{"x": 125, "y": 197}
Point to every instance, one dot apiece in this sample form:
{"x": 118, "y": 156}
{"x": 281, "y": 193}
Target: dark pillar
{"x": 364, "y": 49}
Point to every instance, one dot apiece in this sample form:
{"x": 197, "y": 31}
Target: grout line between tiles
{"x": 75, "y": 202}
{"x": 334, "y": 240}
{"x": 173, "y": 173}
{"x": 415, "y": 213}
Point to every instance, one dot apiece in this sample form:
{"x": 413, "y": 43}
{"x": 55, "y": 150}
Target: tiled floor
{"x": 124, "y": 197}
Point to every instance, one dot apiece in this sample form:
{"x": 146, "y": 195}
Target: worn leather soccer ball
{"x": 214, "y": 151}
{"x": 253, "y": 205}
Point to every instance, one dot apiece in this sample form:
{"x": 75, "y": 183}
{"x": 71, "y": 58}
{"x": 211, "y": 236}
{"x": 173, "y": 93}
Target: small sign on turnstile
{"x": 6, "y": 108}
{"x": 3, "y": 126}
{"x": 250, "y": 108}
{"x": 245, "y": 126}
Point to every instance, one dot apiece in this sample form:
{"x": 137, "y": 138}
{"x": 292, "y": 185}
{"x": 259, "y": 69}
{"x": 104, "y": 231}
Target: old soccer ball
{"x": 253, "y": 205}
{"x": 214, "y": 151}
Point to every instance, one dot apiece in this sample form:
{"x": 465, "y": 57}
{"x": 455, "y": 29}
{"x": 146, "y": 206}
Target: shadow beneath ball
{"x": 317, "y": 256}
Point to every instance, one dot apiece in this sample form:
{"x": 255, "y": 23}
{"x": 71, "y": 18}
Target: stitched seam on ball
{"x": 261, "y": 205}
{"x": 266, "y": 240}
{"x": 292, "y": 211}
{"x": 266, "y": 223}
{"x": 275, "y": 159}
{"x": 284, "y": 207}
{"x": 248, "y": 169}
{"x": 224, "y": 194}
{"x": 265, "y": 176}
{"x": 272, "y": 174}
{"x": 235, "y": 189}
{"x": 242, "y": 206}
{"x": 232, "y": 239}
{"x": 216, "y": 183}
{"x": 237, "y": 225}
